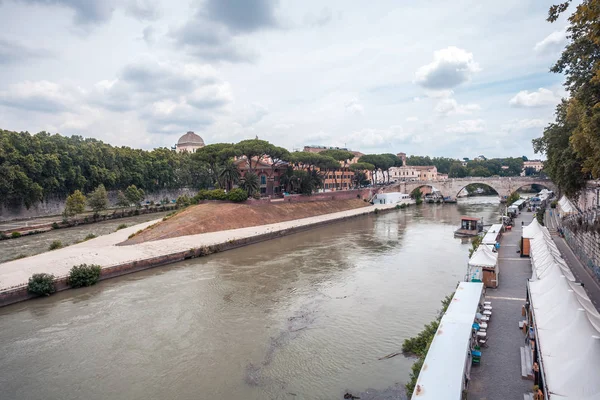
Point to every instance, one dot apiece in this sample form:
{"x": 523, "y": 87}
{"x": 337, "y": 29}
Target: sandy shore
{"x": 105, "y": 252}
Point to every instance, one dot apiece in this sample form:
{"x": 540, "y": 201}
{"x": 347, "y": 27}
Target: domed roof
{"x": 190, "y": 138}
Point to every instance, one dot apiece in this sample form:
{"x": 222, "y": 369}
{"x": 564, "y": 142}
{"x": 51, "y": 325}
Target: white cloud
{"x": 521, "y": 124}
{"x": 552, "y": 43}
{"x": 412, "y": 119}
{"x": 450, "y": 67}
{"x": 373, "y": 138}
{"x": 355, "y": 107}
{"x": 283, "y": 127}
{"x": 467, "y": 126}
{"x": 541, "y": 97}
{"x": 450, "y": 106}
{"x": 254, "y": 113}
{"x": 41, "y": 96}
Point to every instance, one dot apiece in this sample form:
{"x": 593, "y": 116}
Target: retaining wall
{"x": 54, "y": 205}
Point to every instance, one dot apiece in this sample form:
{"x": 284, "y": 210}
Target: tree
{"x": 254, "y": 150}
{"x": 215, "y": 156}
{"x": 457, "y": 171}
{"x": 134, "y": 195}
{"x": 230, "y": 174}
{"x": 75, "y": 204}
{"x": 122, "y": 200}
{"x": 98, "y": 199}
{"x": 250, "y": 183}
{"x": 417, "y": 195}
{"x": 361, "y": 177}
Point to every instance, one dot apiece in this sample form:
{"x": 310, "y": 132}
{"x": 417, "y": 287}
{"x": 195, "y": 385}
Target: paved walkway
{"x": 499, "y": 375}
{"x": 582, "y": 274}
{"x": 103, "y": 250}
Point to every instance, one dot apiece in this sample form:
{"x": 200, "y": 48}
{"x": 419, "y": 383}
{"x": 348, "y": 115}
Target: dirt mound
{"x": 213, "y": 217}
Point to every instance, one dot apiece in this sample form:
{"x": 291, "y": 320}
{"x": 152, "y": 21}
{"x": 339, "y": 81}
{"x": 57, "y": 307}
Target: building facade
{"x": 269, "y": 174}
{"x": 343, "y": 178}
{"x": 537, "y": 165}
{"x": 190, "y": 142}
{"x": 411, "y": 172}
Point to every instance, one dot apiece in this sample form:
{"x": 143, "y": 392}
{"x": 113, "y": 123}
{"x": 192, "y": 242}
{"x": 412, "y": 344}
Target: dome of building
{"x": 190, "y": 138}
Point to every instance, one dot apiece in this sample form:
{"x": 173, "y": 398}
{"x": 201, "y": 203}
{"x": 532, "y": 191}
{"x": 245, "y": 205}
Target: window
{"x": 263, "y": 190}
{"x": 263, "y": 180}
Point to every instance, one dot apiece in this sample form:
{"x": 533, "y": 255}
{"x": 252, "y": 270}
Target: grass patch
{"x": 122, "y": 226}
{"x": 19, "y": 257}
{"x": 57, "y": 244}
{"x": 15, "y": 235}
{"x": 89, "y": 237}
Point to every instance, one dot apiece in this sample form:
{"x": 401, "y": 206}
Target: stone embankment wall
{"x": 54, "y": 205}
{"x": 582, "y": 230}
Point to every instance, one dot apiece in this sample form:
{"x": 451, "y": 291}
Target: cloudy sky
{"x": 438, "y": 78}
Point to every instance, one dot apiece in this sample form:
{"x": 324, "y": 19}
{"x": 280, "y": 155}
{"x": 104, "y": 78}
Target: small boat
{"x": 449, "y": 200}
{"x": 469, "y": 226}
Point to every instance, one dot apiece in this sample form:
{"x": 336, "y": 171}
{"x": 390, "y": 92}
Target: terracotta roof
{"x": 469, "y": 219}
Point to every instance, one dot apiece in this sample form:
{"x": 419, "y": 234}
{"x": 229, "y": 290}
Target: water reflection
{"x": 303, "y": 316}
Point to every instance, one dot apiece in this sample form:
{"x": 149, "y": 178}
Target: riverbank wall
{"x": 54, "y": 205}
{"x": 18, "y": 293}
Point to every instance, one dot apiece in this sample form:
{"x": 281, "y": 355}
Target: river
{"x": 301, "y": 317}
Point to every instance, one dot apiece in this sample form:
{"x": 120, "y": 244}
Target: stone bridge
{"x": 505, "y": 186}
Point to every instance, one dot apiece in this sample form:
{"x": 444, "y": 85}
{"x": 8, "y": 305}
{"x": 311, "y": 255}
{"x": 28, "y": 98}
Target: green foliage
{"x": 15, "y": 235}
{"x": 539, "y": 215}
{"x": 98, "y": 199}
{"x": 89, "y": 236}
{"x": 553, "y": 204}
{"x": 237, "y": 195}
{"x": 230, "y": 174}
{"x": 20, "y": 256}
{"x": 572, "y": 143}
{"x": 55, "y": 225}
{"x": 514, "y": 196}
{"x": 122, "y": 226}
{"x": 417, "y": 195}
{"x": 75, "y": 204}
{"x": 419, "y": 345}
{"x": 250, "y": 183}
{"x": 83, "y": 275}
{"x": 56, "y": 244}
{"x": 475, "y": 242}
{"x": 3, "y": 236}
{"x": 217, "y": 194}
{"x": 201, "y": 195}
{"x": 122, "y": 200}
{"x": 184, "y": 201}
{"x": 41, "y": 284}
{"x": 134, "y": 195}
{"x": 415, "y": 370}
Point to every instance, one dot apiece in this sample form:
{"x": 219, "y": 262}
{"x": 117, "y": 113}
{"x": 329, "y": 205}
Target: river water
{"x": 305, "y": 316}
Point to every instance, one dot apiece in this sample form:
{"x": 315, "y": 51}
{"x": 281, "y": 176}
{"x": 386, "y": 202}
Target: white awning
{"x": 532, "y": 229}
{"x": 441, "y": 376}
{"x": 566, "y": 207}
{"x": 567, "y": 324}
{"x": 483, "y": 257}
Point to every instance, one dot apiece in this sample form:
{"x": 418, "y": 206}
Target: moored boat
{"x": 469, "y": 226}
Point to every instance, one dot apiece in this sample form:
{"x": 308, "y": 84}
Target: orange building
{"x": 342, "y": 179}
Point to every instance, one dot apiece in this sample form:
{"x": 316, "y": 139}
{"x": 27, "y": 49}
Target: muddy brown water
{"x": 301, "y": 317}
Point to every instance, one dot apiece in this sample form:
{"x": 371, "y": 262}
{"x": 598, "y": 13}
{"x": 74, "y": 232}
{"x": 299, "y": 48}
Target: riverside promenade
{"x": 104, "y": 250}
{"x": 498, "y": 377}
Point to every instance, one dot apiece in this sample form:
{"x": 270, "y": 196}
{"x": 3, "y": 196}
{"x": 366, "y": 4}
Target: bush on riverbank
{"x": 15, "y": 235}
{"x": 83, "y": 275}
{"x": 474, "y": 245}
{"x": 237, "y": 195}
{"x": 89, "y": 236}
{"x": 419, "y": 345}
{"x": 57, "y": 244}
{"x": 41, "y": 284}
{"x": 553, "y": 204}
{"x": 122, "y": 226}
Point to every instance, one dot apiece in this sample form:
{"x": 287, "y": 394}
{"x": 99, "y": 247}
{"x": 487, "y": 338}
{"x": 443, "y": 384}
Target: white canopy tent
{"x": 566, "y": 207}
{"x": 449, "y": 357}
{"x": 484, "y": 257}
{"x": 567, "y": 324}
{"x": 531, "y": 230}
{"x": 483, "y": 267}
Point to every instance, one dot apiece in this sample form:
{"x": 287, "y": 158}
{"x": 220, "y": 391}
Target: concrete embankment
{"x": 120, "y": 260}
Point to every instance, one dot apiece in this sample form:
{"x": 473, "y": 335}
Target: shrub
{"x": 55, "y": 225}
{"x": 83, "y": 275}
{"x": 217, "y": 194}
{"x": 553, "y": 204}
{"x": 122, "y": 226}
{"x": 89, "y": 236}
{"x": 57, "y": 244}
{"x": 3, "y": 236}
{"x": 136, "y": 212}
{"x": 183, "y": 201}
{"x": 41, "y": 284}
{"x": 237, "y": 195}
{"x": 15, "y": 235}
{"x": 20, "y": 256}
